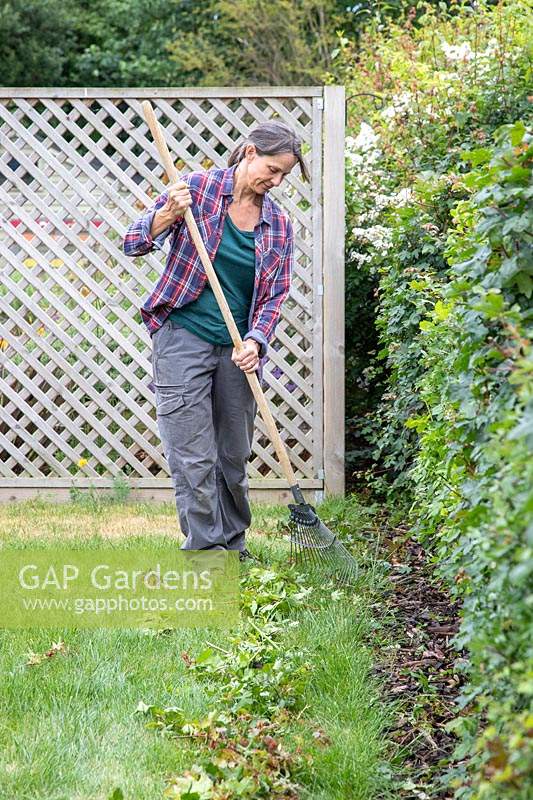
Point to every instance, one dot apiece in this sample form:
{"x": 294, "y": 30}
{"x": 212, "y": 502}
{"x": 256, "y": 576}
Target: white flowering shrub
{"x": 417, "y": 96}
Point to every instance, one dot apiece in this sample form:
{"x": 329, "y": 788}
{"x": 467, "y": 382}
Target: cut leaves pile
{"x": 255, "y": 688}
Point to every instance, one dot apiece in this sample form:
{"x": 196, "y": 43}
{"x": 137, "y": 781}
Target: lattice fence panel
{"x": 75, "y": 168}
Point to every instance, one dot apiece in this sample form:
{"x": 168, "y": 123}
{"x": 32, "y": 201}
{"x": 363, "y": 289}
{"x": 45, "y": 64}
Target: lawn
{"x": 69, "y": 729}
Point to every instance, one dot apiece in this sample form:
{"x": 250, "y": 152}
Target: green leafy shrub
{"x": 472, "y": 477}
{"x": 439, "y": 232}
{"x": 455, "y": 321}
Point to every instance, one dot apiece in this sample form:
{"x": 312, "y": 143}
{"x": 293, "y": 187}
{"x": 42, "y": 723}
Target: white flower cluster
{"x": 363, "y": 149}
{"x": 491, "y": 49}
{"x": 363, "y": 156}
{"x": 381, "y": 201}
{"x": 403, "y": 197}
{"x": 359, "y": 257}
{"x": 457, "y": 52}
{"x": 487, "y": 61}
{"x": 401, "y": 103}
{"x": 367, "y": 139}
{"x": 378, "y": 236}
{"x": 462, "y": 54}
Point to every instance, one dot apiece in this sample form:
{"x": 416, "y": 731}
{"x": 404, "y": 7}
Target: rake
{"x": 313, "y": 545}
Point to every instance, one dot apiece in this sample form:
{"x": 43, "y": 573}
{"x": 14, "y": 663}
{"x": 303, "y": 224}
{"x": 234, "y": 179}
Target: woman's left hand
{"x": 248, "y": 358}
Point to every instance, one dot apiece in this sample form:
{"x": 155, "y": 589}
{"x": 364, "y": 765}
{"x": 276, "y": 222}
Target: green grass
{"x": 343, "y": 703}
{"x": 68, "y": 728}
{"x": 68, "y": 725}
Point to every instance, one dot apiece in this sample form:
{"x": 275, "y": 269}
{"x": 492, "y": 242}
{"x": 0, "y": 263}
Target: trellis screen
{"x": 76, "y": 166}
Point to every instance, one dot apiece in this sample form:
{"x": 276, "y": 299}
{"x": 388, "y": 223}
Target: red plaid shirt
{"x": 184, "y": 277}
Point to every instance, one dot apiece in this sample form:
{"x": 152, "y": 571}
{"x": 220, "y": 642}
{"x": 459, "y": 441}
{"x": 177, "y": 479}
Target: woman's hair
{"x": 270, "y": 139}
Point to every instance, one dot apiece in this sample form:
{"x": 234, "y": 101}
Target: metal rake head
{"x": 317, "y": 548}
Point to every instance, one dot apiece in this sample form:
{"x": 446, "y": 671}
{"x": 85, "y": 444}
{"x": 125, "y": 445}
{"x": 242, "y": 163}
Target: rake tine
{"x": 307, "y": 547}
{"x": 317, "y": 548}
{"x": 319, "y": 551}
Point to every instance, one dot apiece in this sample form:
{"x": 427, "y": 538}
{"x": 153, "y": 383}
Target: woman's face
{"x": 266, "y": 172}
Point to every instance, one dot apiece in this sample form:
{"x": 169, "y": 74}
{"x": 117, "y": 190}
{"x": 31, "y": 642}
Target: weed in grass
{"x": 96, "y": 500}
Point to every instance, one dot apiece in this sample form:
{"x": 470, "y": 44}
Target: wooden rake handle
{"x": 252, "y": 377}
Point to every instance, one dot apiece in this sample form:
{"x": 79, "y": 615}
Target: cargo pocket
{"x": 169, "y": 399}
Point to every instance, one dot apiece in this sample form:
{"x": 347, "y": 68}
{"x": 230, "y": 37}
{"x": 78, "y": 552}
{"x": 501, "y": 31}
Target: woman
{"x": 205, "y": 408}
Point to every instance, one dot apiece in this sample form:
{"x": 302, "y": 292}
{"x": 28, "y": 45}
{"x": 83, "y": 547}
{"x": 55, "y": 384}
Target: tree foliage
{"x": 169, "y": 42}
{"x": 259, "y": 42}
{"x": 36, "y": 38}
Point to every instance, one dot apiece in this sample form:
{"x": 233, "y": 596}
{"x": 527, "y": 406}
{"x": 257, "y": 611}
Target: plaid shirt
{"x": 184, "y": 277}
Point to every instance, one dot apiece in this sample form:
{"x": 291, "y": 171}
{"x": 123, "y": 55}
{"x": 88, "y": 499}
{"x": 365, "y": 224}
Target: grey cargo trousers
{"x": 205, "y": 414}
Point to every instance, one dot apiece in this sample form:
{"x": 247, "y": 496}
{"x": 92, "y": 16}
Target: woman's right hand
{"x": 179, "y": 199}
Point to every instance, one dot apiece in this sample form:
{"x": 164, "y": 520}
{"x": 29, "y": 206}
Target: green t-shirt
{"x": 234, "y": 265}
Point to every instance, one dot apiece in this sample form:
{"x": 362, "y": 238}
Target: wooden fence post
{"x": 333, "y": 261}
